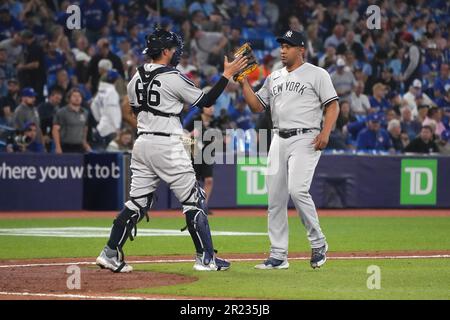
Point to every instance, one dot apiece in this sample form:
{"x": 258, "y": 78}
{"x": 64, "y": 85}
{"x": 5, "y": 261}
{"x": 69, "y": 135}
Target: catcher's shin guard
{"x": 125, "y": 224}
{"x": 198, "y": 226}
{"x": 197, "y": 223}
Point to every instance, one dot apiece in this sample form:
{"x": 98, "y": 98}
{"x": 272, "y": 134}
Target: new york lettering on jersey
{"x": 296, "y": 98}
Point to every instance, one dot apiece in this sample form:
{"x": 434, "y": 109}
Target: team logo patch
{"x": 289, "y": 34}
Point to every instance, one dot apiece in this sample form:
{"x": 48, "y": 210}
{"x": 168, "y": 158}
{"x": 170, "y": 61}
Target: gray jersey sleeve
{"x": 325, "y": 88}
{"x": 185, "y": 90}
{"x": 263, "y": 94}
{"x": 131, "y": 91}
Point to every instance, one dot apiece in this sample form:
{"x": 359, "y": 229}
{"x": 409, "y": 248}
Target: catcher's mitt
{"x": 252, "y": 64}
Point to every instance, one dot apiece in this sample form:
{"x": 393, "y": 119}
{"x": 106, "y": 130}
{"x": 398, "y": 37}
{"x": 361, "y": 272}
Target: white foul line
{"x": 75, "y": 296}
{"x": 56, "y": 264}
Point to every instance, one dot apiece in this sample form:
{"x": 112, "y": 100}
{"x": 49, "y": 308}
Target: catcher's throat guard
{"x": 245, "y": 50}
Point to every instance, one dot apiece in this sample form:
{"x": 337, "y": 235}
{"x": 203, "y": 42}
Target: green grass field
{"x": 339, "y": 279}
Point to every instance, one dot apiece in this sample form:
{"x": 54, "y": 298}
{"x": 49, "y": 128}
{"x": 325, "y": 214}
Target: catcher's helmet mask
{"x": 160, "y": 40}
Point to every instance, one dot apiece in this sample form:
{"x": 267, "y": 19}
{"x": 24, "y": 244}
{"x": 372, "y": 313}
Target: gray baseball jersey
{"x": 168, "y": 93}
{"x": 156, "y": 158}
{"x": 297, "y": 98}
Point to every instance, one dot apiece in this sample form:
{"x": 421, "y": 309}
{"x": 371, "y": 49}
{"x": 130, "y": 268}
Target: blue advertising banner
{"x": 41, "y": 182}
{"x": 103, "y": 187}
{"x": 101, "y": 182}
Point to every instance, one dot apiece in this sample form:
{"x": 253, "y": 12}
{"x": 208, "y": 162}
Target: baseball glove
{"x": 252, "y": 64}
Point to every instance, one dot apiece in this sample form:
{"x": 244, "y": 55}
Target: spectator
{"x": 31, "y": 70}
{"x": 70, "y": 126}
{"x": 395, "y": 130}
{"x": 442, "y": 82}
{"x": 359, "y": 102}
{"x": 104, "y": 52}
{"x": 343, "y": 81}
{"x": 245, "y": 18}
{"x": 337, "y": 37}
{"x": 423, "y": 143}
{"x": 9, "y": 102}
{"x": 47, "y": 111}
{"x": 27, "y": 112}
{"x": 97, "y": 15}
{"x": 62, "y": 81}
{"x": 29, "y": 140}
{"x": 373, "y": 137}
{"x": 206, "y": 7}
{"x": 122, "y": 143}
{"x": 82, "y": 58}
{"x": 8, "y": 23}
{"x": 345, "y": 116}
{"x": 444, "y": 101}
{"x": 443, "y": 143}
{"x": 240, "y": 115}
{"x": 408, "y": 125}
{"x": 387, "y": 79}
{"x": 225, "y": 99}
{"x": 314, "y": 44}
{"x": 13, "y": 47}
{"x": 106, "y": 110}
{"x": 260, "y": 74}
{"x": 329, "y": 58}
{"x": 435, "y": 114}
{"x": 395, "y": 101}
{"x": 175, "y": 8}
{"x": 411, "y": 60}
{"x": 422, "y": 112}
{"x": 349, "y": 44}
{"x": 184, "y": 66}
{"x": 415, "y": 97}
{"x": 378, "y": 101}
{"x": 7, "y": 68}
{"x": 54, "y": 60}
{"x": 295, "y": 24}
{"x": 262, "y": 21}
{"x": 376, "y": 70}
{"x": 207, "y": 47}
{"x": 272, "y": 11}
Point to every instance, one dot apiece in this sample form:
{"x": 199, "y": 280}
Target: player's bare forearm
{"x": 331, "y": 114}
{"x": 250, "y": 97}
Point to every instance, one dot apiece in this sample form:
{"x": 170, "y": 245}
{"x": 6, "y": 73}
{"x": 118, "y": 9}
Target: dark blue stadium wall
{"x": 100, "y": 182}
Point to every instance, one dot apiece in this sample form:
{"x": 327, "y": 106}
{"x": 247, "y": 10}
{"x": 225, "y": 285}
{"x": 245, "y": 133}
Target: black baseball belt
{"x": 287, "y": 133}
{"x": 163, "y": 134}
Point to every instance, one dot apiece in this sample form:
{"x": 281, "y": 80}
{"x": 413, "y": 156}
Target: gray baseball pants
{"x": 291, "y": 165}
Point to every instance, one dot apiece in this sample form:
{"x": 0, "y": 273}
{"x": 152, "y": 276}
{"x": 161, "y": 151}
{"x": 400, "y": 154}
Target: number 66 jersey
{"x": 157, "y": 95}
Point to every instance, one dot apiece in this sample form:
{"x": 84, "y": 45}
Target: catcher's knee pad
{"x": 127, "y": 220}
{"x": 196, "y": 200}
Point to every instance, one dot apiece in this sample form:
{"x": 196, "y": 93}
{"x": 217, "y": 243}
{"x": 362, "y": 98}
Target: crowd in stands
{"x": 64, "y": 90}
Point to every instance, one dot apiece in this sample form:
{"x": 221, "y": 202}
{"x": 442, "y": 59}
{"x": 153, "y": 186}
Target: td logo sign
{"x": 418, "y": 181}
{"x": 251, "y": 181}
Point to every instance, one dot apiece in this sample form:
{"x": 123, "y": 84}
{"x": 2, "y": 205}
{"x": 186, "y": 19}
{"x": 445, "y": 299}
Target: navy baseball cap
{"x": 28, "y": 92}
{"x": 112, "y": 75}
{"x": 294, "y": 38}
{"x": 445, "y": 135}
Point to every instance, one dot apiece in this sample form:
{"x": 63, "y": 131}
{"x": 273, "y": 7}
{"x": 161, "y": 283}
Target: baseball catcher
{"x": 157, "y": 93}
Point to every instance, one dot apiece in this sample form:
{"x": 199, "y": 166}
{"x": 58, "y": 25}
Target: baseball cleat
{"x": 113, "y": 264}
{"x": 272, "y": 263}
{"x": 216, "y": 264}
{"x": 319, "y": 256}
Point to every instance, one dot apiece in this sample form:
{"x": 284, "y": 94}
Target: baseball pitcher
{"x": 297, "y": 96}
